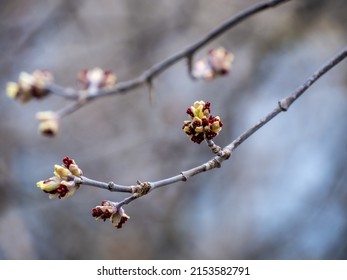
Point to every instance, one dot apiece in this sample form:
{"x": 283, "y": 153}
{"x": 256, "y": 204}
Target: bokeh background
{"x": 282, "y": 195}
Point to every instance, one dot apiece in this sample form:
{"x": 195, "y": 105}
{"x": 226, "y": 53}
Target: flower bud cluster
{"x": 29, "y": 86}
{"x": 97, "y": 78}
{"x": 202, "y": 125}
{"x": 62, "y": 184}
{"x": 109, "y": 210}
{"x": 217, "y": 63}
{"x": 49, "y": 123}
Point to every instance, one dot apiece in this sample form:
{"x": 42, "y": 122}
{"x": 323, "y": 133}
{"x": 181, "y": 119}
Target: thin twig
{"x": 70, "y": 108}
{"x": 127, "y": 200}
{"x": 108, "y": 186}
{"x": 214, "y": 148}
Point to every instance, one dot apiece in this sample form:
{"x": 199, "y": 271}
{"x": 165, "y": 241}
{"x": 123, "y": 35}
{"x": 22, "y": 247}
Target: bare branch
{"x": 152, "y": 72}
{"x": 225, "y": 153}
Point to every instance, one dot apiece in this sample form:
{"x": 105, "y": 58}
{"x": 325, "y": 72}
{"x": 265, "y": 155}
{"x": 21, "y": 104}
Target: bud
{"x": 220, "y": 60}
{"x": 29, "y": 86}
{"x": 72, "y": 166}
{"x": 217, "y": 63}
{"x": 202, "y": 70}
{"x": 97, "y": 78}
{"x": 119, "y": 218}
{"x": 105, "y": 211}
{"x": 62, "y": 185}
{"x": 109, "y": 210}
{"x": 61, "y": 172}
{"x": 49, "y": 185}
{"x": 49, "y": 123}
{"x": 202, "y": 125}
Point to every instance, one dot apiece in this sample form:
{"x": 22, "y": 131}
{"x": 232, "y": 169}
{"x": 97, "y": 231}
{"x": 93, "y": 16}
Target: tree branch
{"x": 216, "y": 161}
{"x": 152, "y": 72}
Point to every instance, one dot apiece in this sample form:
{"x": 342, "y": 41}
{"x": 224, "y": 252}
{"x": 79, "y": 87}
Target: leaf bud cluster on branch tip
{"x": 109, "y": 210}
{"x": 49, "y": 123}
{"x": 62, "y": 184}
{"x": 202, "y": 125}
{"x": 97, "y": 78}
{"x": 217, "y": 63}
{"x": 29, "y": 86}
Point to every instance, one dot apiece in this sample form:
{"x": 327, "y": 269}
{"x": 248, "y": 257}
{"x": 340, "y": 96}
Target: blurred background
{"x": 283, "y": 193}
